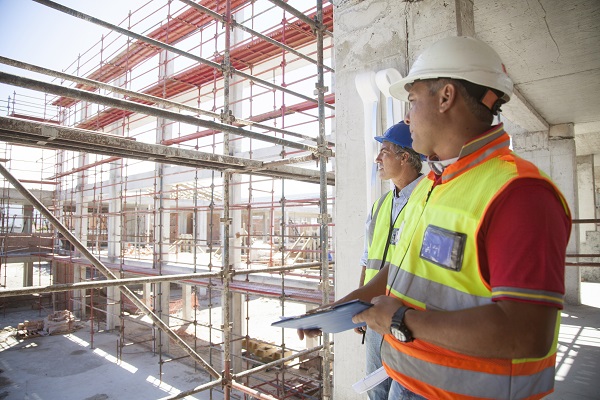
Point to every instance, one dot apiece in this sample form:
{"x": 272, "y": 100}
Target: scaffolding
{"x": 184, "y": 185}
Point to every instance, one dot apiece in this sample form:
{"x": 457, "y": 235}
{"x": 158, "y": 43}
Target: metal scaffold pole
{"x": 324, "y": 214}
{"x": 107, "y": 272}
{"x": 227, "y": 276}
{"x": 227, "y": 138}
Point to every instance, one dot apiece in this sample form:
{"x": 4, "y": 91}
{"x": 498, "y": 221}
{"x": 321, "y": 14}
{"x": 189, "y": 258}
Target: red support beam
{"x": 297, "y": 34}
{"x": 178, "y": 28}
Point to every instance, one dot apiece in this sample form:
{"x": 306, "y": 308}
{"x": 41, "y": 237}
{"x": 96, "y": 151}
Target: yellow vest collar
{"x": 477, "y": 151}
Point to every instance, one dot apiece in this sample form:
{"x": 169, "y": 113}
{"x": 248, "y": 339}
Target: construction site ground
{"x": 66, "y": 367}
{"x": 40, "y": 366}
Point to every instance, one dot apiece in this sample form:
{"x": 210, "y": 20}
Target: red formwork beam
{"x": 31, "y": 118}
{"x": 270, "y": 290}
{"x": 176, "y": 29}
{"x": 299, "y": 107}
{"x": 297, "y": 34}
{"x": 305, "y": 105}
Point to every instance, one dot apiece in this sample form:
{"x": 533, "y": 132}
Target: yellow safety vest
{"x": 382, "y": 240}
{"x": 438, "y": 270}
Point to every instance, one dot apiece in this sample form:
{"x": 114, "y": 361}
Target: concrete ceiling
{"x": 551, "y": 49}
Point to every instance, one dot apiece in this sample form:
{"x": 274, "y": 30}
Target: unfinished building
{"x": 186, "y": 154}
{"x": 204, "y": 167}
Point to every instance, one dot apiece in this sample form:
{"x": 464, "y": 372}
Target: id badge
{"x": 443, "y": 247}
{"x": 395, "y": 234}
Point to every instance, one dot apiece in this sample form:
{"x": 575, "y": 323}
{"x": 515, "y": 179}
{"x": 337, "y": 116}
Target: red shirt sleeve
{"x": 522, "y": 244}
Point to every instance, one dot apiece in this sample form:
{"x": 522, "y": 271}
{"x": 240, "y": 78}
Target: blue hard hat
{"x": 398, "y": 134}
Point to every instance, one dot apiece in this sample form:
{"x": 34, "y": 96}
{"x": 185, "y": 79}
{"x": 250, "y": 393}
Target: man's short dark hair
{"x": 414, "y": 158}
{"x": 481, "y": 112}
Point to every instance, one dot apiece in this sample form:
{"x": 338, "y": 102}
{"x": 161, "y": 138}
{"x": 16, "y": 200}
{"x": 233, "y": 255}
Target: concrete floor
{"x": 578, "y": 358}
{"x": 65, "y": 367}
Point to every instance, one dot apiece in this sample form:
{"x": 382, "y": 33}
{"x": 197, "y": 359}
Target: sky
{"x": 37, "y": 34}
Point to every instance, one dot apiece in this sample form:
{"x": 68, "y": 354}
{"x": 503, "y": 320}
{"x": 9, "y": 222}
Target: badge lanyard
{"x": 411, "y": 238}
{"x": 392, "y": 223}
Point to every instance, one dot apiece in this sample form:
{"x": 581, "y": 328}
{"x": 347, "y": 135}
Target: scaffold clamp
{"x": 324, "y": 218}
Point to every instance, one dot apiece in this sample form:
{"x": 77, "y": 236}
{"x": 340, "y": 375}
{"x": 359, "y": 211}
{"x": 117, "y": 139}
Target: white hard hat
{"x": 458, "y": 57}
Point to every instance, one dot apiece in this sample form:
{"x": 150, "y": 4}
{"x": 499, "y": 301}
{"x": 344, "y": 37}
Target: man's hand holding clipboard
{"x": 330, "y": 319}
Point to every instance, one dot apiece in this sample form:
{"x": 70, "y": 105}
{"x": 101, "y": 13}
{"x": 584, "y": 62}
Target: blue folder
{"x": 332, "y": 319}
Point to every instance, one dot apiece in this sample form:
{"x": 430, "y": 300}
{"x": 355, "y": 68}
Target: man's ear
{"x": 447, "y": 97}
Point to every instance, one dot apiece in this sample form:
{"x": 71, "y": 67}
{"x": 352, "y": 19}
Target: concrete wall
{"x": 361, "y": 45}
{"x": 591, "y": 245}
{"x": 371, "y": 36}
{"x": 556, "y": 157}
{"x": 588, "y": 236}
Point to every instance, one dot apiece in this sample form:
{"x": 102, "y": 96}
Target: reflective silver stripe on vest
{"x": 375, "y": 264}
{"x": 477, "y": 161}
{"x": 481, "y": 142}
{"x": 374, "y": 217}
{"x": 434, "y": 295}
{"x": 466, "y": 382}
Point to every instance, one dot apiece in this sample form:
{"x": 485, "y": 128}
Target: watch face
{"x": 398, "y": 334}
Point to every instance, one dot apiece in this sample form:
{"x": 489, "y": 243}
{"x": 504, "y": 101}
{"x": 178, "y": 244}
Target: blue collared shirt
{"x": 399, "y": 201}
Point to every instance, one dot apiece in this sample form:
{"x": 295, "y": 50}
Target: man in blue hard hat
{"x": 398, "y": 162}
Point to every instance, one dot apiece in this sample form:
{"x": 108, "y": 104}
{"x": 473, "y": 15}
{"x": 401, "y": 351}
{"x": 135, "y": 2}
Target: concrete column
{"x": 147, "y": 295}
{"x": 81, "y": 205}
{"x": 591, "y": 244}
{"x": 553, "y": 151}
{"x": 186, "y": 296}
{"x": 563, "y": 155}
{"x": 235, "y": 253}
{"x": 27, "y": 273}
{"x": 201, "y": 226}
{"x": 163, "y": 294}
{"x": 60, "y": 165}
{"x": 148, "y": 227}
{"x": 27, "y": 218}
{"x": 79, "y": 309}
{"x": 586, "y": 191}
{"x": 596, "y": 160}
{"x": 163, "y": 131}
{"x": 237, "y": 313}
{"x": 113, "y": 297}
{"x": 81, "y": 228}
{"x": 266, "y": 228}
{"x": 371, "y": 36}
{"x": 114, "y": 218}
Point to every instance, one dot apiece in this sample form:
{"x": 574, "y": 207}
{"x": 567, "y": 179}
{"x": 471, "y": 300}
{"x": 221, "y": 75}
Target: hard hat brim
{"x": 398, "y": 89}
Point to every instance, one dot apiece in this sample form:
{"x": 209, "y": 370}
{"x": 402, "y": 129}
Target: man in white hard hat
{"x": 475, "y": 287}
{"x": 471, "y": 306}
{"x": 399, "y": 163}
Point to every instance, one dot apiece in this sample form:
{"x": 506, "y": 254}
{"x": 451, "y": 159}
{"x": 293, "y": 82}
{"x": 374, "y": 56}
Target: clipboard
{"x": 332, "y": 319}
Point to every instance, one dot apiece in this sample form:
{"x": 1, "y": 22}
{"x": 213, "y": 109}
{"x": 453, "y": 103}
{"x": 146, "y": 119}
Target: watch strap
{"x": 399, "y": 325}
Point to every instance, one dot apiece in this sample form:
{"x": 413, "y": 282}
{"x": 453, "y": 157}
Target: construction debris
{"x": 54, "y": 324}
{"x": 59, "y": 322}
{"x": 29, "y": 329}
{"x": 263, "y": 352}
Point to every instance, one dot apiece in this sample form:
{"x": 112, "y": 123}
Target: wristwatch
{"x": 399, "y": 328}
